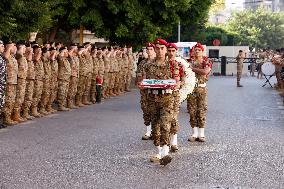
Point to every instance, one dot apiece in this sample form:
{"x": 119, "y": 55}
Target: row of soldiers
{"x": 74, "y": 77}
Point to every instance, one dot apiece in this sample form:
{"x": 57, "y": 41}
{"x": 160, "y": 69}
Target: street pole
{"x": 179, "y": 31}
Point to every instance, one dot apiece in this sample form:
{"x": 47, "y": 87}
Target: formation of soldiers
{"x": 37, "y": 78}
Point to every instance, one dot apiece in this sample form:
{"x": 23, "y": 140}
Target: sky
{"x": 234, "y": 3}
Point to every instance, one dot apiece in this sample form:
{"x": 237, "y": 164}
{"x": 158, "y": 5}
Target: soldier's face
{"x": 150, "y": 51}
{"x": 172, "y": 53}
{"x": 198, "y": 52}
{"x": 2, "y": 48}
{"x": 160, "y": 50}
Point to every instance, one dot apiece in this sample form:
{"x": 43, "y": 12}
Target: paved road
{"x": 100, "y": 146}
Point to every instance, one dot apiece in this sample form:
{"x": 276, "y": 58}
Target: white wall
{"x": 228, "y": 51}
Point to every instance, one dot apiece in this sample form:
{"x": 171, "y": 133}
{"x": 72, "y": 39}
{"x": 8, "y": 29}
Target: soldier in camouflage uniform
{"x": 106, "y": 58}
{"x": 38, "y": 85}
{"x": 161, "y": 101}
{"x": 197, "y": 100}
{"x": 29, "y": 83}
{"x": 11, "y": 87}
{"x": 94, "y": 73}
{"x": 45, "y": 96}
{"x": 112, "y": 74}
{"x": 130, "y": 68}
{"x": 3, "y": 80}
{"x": 172, "y": 49}
{"x": 89, "y": 70}
{"x": 82, "y": 76}
{"x": 240, "y": 59}
{"x": 53, "y": 80}
{"x": 74, "y": 63}
{"x": 64, "y": 74}
{"x": 144, "y": 92}
{"x": 100, "y": 76}
{"x": 21, "y": 83}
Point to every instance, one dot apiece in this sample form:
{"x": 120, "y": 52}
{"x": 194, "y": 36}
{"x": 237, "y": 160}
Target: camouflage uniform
{"x": 174, "y": 124}
{"x": 197, "y": 100}
{"x": 125, "y": 65}
{"x": 115, "y": 75}
{"x": 74, "y": 63}
{"x": 3, "y": 78}
{"x": 38, "y": 86}
{"x": 94, "y": 76}
{"x": 64, "y": 74}
{"x": 106, "y": 78}
{"x": 82, "y": 80}
{"x": 46, "y": 88}
{"x": 88, "y": 83}
{"x": 112, "y": 76}
{"x": 144, "y": 93}
{"x": 160, "y": 105}
{"x": 10, "y": 95}
{"x": 29, "y": 90}
{"x": 240, "y": 61}
{"x": 129, "y": 72}
{"x": 118, "y": 75}
{"x": 53, "y": 84}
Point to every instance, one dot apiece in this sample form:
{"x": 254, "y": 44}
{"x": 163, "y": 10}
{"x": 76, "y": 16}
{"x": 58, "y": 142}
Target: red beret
{"x": 199, "y": 45}
{"x": 160, "y": 42}
{"x": 150, "y": 45}
{"x": 172, "y": 45}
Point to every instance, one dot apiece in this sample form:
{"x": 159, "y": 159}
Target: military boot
{"x": 42, "y": 110}
{"x": 111, "y": 92}
{"x": 7, "y": 120}
{"x": 62, "y": 108}
{"x": 238, "y": 84}
{"x": 85, "y": 100}
{"x": 35, "y": 112}
{"x": 17, "y": 117}
{"x": 78, "y": 101}
{"x": 49, "y": 109}
{"x": 26, "y": 114}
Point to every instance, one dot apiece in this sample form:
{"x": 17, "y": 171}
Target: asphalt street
{"x": 100, "y": 146}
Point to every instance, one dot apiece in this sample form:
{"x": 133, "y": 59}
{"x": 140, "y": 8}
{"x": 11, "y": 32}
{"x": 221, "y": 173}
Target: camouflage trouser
{"x": 117, "y": 81}
{"x": 106, "y": 80}
{"x": 37, "y": 92}
{"x": 161, "y": 107}
{"x": 93, "y": 89}
{"x": 197, "y": 107}
{"x": 112, "y": 80}
{"x": 29, "y": 93}
{"x": 144, "y": 107}
{"x": 239, "y": 75}
{"x": 72, "y": 90}
{"x": 81, "y": 85}
{"x": 62, "y": 91}
{"x": 175, "y": 125}
{"x": 53, "y": 91}
{"x": 20, "y": 96}
{"x": 128, "y": 79}
{"x": 88, "y": 84}
{"x": 10, "y": 97}
{"x": 45, "y": 96}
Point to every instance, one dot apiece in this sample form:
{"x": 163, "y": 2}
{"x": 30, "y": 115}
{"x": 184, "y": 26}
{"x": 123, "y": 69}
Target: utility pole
{"x": 179, "y": 31}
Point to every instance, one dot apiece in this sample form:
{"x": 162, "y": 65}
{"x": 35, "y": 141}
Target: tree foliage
{"x": 127, "y": 21}
{"x": 259, "y": 28}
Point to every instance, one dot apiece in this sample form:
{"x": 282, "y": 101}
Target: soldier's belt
{"x": 200, "y": 85}
{"x": 160, "y": 91}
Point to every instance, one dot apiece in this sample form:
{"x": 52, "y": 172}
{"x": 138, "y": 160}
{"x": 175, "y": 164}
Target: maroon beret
{"x": 150, "y": 45}
{"x": 160, "y": 42}
{"x": 199, "y": 45}
{"x": 172, "y": 45}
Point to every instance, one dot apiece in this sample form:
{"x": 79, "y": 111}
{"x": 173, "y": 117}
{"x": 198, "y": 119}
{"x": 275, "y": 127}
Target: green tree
{"x": 258, "y": 28}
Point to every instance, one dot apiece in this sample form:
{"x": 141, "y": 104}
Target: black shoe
{"x": 165, "y": 160}
{"x": 2, "y": 126}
